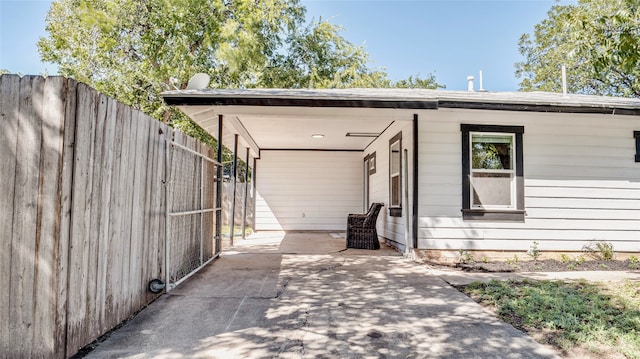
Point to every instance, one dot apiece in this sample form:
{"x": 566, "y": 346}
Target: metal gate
{"x": 190, "y": 227}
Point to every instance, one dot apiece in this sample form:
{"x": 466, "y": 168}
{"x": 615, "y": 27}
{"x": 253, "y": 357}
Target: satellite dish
{"x": 199, "y": 81}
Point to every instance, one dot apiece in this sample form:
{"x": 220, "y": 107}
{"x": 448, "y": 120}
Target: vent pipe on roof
{"x": 564, "y": 80}
{"x": 480, "y": 79}
{"x": 470, "y": 86}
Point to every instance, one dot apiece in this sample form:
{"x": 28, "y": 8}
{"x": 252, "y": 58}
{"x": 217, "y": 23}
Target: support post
{"x": 414, "y": 214}
{"x": 233, "y": 178}
{"x": 255, "y": 193}
{"x": 219, "y": 188}
{"x": 167, "y": 209}
{"x": 246, "y": 194}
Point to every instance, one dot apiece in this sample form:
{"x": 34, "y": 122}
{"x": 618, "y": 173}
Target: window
{"x": 636, "y": 134}
{"x": 371, "y": 160}
{"x": 493, "y": 176}
{"x": 395, "y": 176}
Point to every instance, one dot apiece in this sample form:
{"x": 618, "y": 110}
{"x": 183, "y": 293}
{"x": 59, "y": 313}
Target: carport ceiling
{"x": 287, "y": 118}
{"x": 294, "y": 127}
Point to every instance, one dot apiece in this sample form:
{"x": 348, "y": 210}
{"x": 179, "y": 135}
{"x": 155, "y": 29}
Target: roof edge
{"x": 174, "y": 99}
{"x": 606, "y": 110}
{"x": 300, "y": 102}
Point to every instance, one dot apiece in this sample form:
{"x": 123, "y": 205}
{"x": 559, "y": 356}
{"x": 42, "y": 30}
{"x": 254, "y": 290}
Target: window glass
{"x": 492, "y": 151}
{"x": 491, "y": 189}
{"x": 395, "y": 175}
{"x": 395, "y": 158}
{"x": 395, "y": 190}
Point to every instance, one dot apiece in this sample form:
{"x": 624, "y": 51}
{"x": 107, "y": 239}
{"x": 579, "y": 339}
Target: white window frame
{"x": 511, "y": 172}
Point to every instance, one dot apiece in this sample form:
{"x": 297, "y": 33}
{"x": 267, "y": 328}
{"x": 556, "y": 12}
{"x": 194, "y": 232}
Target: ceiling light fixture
{"x": 362, "y": 134}
{"x": 317, "y": 135}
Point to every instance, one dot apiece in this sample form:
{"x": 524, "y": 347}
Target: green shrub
{"x": 602, "y": 251}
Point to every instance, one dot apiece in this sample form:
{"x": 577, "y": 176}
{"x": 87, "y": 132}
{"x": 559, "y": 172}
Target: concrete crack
{"x": 284, "y": 287}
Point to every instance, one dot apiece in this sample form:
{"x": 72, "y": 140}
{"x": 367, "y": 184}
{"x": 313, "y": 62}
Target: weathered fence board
{"x": 9, "y": 116}
{"x": 81, "y": 219}
{"x": 25, "y": 203}
{"x": 47, "y": 226}
{"x": 82, "y": 213}
{"x": 61, "y": 264}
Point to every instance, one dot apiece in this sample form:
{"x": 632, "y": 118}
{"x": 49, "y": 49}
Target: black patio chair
{"x": 361, "y": 229}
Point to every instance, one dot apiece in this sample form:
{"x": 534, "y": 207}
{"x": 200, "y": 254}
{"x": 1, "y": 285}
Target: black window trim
{"x": 473, "y": 214}
{"x": 636, "y": 135}
{"x": 395, "y": 211}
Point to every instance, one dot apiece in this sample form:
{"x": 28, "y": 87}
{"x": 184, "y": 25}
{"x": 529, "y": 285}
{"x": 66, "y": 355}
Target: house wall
{"x": 581, "y": 182}
{"x": 391, "y": 228}
{"x": 307, "y": 190}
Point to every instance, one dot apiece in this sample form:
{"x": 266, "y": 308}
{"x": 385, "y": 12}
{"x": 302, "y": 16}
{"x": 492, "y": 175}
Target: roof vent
{"x": 470, "y": 86}
{"x": 481, "y": 89}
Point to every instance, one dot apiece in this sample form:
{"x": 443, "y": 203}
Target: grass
{"x": 601, "y": 318}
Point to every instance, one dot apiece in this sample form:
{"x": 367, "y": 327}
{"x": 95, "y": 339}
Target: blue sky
{"x": 452, "y": 39}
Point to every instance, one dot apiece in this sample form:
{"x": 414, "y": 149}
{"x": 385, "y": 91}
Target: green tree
{"x": 133, "y": 50}
{"x": 597, "y": 40}
{"x": 417, "y": 82}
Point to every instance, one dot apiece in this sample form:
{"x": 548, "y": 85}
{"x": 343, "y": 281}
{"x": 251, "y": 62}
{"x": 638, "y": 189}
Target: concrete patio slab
{"x": 302, "y": 295}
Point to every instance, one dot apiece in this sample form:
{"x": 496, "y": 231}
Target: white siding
{"x": 581, "y": 182}
{"x": 307, "y": 190}
{"x": 392, "y": 228}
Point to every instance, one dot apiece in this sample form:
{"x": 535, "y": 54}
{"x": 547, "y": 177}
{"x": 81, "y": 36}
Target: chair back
{"x": 372, "y": 215}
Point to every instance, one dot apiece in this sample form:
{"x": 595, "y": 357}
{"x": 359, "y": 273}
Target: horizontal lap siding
{"x": 581, "y": 182}
{"x": 324, "y": 186}
{"x": 392, "y": 228}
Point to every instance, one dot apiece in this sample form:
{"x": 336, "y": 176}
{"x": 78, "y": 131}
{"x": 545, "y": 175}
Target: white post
{"x": 407, "y": 221}
{"x": 564, "y": 80}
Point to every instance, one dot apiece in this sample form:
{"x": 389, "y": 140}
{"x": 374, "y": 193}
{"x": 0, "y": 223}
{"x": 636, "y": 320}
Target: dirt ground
{"x": 548, "y": 265}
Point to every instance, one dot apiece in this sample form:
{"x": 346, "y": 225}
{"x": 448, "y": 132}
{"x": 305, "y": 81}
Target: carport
{"x": 314, "y": 153}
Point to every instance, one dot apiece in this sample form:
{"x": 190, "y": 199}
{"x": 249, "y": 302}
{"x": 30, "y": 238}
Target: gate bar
{"x": 215, "y": 162}
{"x": 197, "y": 211}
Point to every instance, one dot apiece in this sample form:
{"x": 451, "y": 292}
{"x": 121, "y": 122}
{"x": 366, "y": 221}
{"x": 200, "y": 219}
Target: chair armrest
{"x": 356, "y": 220}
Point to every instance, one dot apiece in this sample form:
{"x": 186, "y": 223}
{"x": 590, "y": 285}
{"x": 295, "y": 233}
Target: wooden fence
{"x": 82, "y": 214}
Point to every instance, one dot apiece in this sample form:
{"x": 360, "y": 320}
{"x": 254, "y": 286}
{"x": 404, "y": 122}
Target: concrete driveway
{"x": 301, "y": 295}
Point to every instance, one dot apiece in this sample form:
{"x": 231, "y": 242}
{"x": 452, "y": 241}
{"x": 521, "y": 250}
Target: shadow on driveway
{"x": 302, "y": 295}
